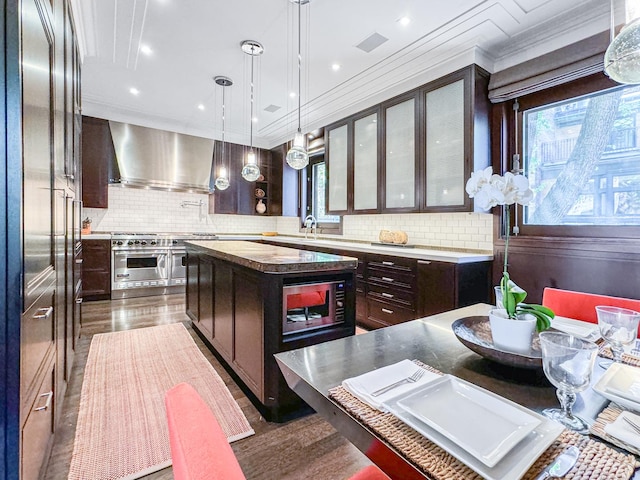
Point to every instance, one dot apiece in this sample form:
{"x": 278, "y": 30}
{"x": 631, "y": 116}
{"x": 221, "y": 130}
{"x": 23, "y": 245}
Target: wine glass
{"x": 567, "y": 362}
{"x": 619, "y": 327}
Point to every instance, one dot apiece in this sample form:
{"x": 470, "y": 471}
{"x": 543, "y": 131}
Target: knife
{"x": 562, "y": 464}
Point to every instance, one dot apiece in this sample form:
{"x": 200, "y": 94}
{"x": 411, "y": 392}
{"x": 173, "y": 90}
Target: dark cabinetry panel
{"x": 98, "y": 155}
{"x": 222, "y": 337}
{"x": 445, "y": 286}
{"x": 96, "y": 269}
{"x": 240, "y": 197}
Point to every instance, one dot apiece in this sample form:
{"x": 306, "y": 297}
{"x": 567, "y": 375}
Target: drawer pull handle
{"x": 387, "y": 295}
{"x": 47, "y": 404}
{"x": 45, "y": 313}
{"x": 387, "y": 279}
{"x": 424, "y": 262}
{"x": 386, "y": 310}
{"x": 390, "y": 264}
{"x": 79, "y": 300}
{"x": 79, "y": 260}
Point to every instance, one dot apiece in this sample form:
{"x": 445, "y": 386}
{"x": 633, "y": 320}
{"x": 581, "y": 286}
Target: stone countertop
{"x": 96, "y": 236}
{"x": 271, "y": 258}
{"x": 418, "y": 253}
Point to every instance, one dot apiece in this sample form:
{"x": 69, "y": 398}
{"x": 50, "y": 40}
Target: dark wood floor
{"x": 306, "y": 448}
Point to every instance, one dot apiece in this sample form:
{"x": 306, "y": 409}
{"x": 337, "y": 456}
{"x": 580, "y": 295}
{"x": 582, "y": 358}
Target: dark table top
{"x": 313, "y": 370}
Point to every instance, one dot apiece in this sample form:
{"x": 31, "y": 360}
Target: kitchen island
{"x": 249, "y": 301}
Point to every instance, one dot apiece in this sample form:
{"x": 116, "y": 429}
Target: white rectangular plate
{"x": 513, "y": 466}
{"x": 482, "y": 424}
{"x": 621, "y": 384}
{"x": 578, "y": 328}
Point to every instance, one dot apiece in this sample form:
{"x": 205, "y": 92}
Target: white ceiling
{"x": 195, "y": 40}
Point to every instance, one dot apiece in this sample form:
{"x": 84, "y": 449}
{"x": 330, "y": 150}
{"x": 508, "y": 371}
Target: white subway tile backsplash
{"x": 137, "y": 210}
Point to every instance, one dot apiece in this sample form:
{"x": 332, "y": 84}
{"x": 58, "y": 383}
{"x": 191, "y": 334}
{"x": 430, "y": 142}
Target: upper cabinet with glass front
{"x": 456, "y": 137}
{"x": 400, "y": 156}
{"x": 414, "y": 152}
{"x": 353, "y": 152}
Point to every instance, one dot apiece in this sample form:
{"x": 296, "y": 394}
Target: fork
{"x": 417, "y": 375}
{"x": 632, "y": 424}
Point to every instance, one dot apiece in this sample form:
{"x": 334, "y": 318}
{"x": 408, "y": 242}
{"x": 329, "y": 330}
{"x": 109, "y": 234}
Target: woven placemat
{"x": 607, "y": 416}
{"x": 596, "y": 461}
{"x": 605, "y": 351}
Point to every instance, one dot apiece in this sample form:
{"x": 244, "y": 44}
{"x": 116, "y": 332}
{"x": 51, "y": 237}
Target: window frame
{"x": 334, "y": 228}
{"x": 584, "y": 86}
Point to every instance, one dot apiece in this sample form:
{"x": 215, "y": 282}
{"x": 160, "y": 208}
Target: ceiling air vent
{"x": 272, "y": 108}
{"x": 372, "y": 42}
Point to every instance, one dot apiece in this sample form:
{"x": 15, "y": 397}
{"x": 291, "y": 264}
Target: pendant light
{"x": 250, "y": 170}
{"x": 222, "y": 181}
{"x": 622, "y": 58}
{"x": 297, "y": 156}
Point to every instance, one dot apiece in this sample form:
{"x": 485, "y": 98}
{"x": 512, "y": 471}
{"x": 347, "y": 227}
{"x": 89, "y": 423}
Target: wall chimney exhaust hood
{"x": 162, "y": 160}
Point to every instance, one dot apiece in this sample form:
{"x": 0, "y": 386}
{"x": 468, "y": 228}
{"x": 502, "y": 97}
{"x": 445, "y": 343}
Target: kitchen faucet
{"x": 310, "y": 222}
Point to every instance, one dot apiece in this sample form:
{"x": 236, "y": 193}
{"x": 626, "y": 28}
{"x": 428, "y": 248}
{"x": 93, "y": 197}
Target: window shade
{"x": 555, "y": 68}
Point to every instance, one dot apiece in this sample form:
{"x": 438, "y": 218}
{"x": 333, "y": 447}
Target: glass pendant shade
{"x": 622, "y": 58}
{"x": 222, "y": 182}
{"x": 297, "y": 156}
{"x": 251, "y": 171}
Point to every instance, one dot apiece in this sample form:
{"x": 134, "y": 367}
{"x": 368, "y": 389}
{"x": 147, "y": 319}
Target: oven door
{"x": 140, "y": 266}
{"x": 178, "y": 267}
{"x": 311, "y": 306}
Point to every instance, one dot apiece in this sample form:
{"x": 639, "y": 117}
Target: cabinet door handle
{"x": 47, "y": 404}
{"x": 390, "y": 264}
{"x": 78, "y": 300}
{"x": 79, "y": 260}
{"x": 387, "y": 295}
{"x": 424, "y": 262}
{"x": 45, "y": 312}
{"x": 387, "y": 279}
{"x": 386, "y": 310}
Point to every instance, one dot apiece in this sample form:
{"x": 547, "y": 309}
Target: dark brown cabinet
{"x": 418, "y": 149}
{"x": 98, "y": 156}
{"x": 242, "y": 197}
{"x": 96, "y": 269}
{"x": 444, "y": 286}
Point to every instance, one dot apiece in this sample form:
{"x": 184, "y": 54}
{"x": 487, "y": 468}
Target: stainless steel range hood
{"x": 160, "y": 159}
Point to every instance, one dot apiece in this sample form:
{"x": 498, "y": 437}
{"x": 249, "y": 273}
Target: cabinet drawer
{"x": 37, "y": 432}
{"x": 388, "y": 314}
{"x": 37, "y": 337}
{"x": 401, "y": 297}
{"x": 391, "y": 278}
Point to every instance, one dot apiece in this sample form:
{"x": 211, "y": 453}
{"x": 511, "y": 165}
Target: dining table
{"x": 315, "y": 372}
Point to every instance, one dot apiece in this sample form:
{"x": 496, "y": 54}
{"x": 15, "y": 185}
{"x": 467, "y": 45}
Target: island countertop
{"x": 273, "y": 259}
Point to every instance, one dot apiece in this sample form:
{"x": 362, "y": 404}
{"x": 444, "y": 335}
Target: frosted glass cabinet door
{"x": 338, "y": 168}
{"x": 365, "y": 163}
{"x": 445, "y": 146}
{"x": 400, "y": 158}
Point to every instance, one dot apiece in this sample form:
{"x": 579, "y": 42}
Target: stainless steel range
{"x": 149, "y": 264}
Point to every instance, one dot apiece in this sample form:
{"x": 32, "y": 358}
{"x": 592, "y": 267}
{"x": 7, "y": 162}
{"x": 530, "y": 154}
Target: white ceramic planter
{"x": 512, "y": 335}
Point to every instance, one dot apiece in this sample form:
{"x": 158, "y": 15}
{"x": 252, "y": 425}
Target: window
{"x": 316, "y": 196}
{"x": 582, "y": 158}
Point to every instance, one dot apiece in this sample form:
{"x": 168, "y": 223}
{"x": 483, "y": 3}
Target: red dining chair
{"x": 582, "y": 306}
{"x": 199, "y": 448}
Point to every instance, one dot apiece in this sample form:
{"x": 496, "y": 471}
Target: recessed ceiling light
{"x": 145, "y": 49}
{"x": 255, "y": 119}
{"x": 310, "y": 136}
{"x": 404, "y": 21}
{"x": 200, "y": 107}
{"x": 292, "y": 94}
{"x": 335, "y": 67}
{"x": 134, "y": 91}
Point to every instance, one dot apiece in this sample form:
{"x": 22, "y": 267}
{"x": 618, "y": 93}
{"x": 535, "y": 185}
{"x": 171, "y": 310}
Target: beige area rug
{"x": 122, "y": 428}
